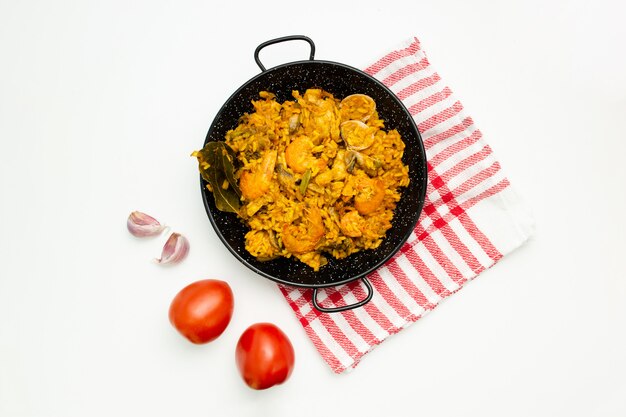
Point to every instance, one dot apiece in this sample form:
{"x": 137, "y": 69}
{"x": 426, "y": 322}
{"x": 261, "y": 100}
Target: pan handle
{"x": 370, "y": 293}
{"x": 279, "y": 40}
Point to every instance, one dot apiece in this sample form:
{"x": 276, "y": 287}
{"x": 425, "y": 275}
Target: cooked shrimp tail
{"x": 255, "y": 183}
{"x": 303, "y": 237}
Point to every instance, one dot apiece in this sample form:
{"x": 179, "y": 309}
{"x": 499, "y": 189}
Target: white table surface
{"x": 101, "y": 103}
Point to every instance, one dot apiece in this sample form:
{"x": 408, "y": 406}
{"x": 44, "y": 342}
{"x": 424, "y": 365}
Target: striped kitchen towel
{"x": 471, "y": 219}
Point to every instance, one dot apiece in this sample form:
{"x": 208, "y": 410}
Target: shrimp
{"x": 303, "y": 238}
{"x": 352, "y": 224}
{"x": 254, "y": 184}
{"x": 299, "y": 155}
{"x": 370, "y": 195}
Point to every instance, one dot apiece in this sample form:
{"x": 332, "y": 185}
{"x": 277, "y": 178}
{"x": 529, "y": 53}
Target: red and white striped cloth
{"x": 471, "y": 219}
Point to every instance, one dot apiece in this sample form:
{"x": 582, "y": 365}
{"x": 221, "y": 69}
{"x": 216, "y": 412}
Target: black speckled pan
{"x": 340, "y": 80}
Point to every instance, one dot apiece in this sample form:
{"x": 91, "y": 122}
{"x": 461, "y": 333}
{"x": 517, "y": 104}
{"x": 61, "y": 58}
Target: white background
{"x": 101, "y": 103}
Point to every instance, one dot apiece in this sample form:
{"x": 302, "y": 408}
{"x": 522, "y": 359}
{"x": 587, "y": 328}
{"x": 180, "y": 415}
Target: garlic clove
{"x": 141, "y": 225}
{"x": 174, "y": 250}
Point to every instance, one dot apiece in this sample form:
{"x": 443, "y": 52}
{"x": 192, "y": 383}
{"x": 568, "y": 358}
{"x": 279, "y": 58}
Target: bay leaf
{"x": 217, "y": 168}
{"x": 229, "y": 159}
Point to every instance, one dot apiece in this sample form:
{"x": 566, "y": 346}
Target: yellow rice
{"x": 347, "y": 205}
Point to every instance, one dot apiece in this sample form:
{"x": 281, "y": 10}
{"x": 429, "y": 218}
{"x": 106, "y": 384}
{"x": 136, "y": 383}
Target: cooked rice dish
{"x": 317, "y": 176}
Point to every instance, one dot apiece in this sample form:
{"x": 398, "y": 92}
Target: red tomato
{"x": 202, "y": 310}
{"x": 264, "y": 356}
